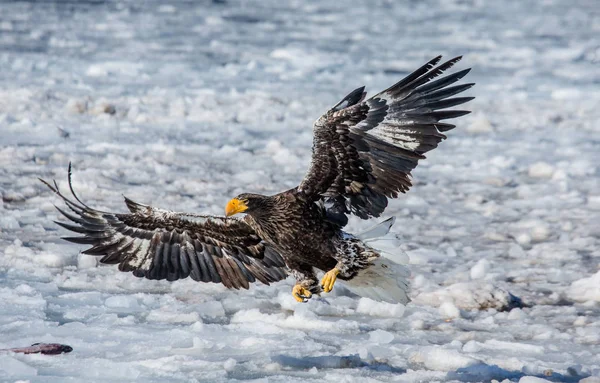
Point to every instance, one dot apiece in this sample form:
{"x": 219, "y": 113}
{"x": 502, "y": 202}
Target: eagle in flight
{"x": 363, "y": 153}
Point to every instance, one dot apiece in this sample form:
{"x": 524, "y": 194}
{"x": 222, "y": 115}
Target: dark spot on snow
{"x": 248, "y": 19}
{"x": 334, "y": 361}
{"x": 484, "y": 372}
{"x": 63, "y": 133}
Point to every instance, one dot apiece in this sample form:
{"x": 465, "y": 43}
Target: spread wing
{"x": 364, "y": 151}
{"x": 161, "y": 244}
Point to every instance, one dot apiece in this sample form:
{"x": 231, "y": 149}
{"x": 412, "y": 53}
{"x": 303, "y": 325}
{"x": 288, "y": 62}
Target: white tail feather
{"x": 384, "y": 281}
{"x": 387, "y": 277}
{"x": 378, "y": 230}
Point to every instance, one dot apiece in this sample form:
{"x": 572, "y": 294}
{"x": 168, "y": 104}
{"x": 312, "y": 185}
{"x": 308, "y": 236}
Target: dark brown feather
{"x": 160, "y": 244}
{"x": 363, "y": 153}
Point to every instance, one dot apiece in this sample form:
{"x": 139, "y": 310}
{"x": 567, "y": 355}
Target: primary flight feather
{"x": 363, "y": 154}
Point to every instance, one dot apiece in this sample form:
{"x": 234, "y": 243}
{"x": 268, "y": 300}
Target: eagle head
{"x": 244, "y": 203}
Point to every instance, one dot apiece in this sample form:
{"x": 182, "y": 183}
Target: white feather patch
{"x": 385, "y": 280}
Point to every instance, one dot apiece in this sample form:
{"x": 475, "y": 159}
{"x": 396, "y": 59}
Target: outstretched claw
{"x": 301, "y": 294}
{"x": 329, "y": 279}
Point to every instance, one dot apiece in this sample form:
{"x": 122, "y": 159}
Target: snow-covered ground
{"x": 186, "y": 104}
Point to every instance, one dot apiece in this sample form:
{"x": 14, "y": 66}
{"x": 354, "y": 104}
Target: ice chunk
{"x": 442, "y": 359}
{"x": 78, "y": 106}
{"x": 471, "y": 296}
{"x": 121, "y": 302}
{"x": 229, "y": 364}
{"x": 383, "y": 309}
{"x": 480, "y": 124}
{"x": 585, "y": 289}
{"x": 424, "y": 256}
{"x": 9, "y": 222}
{"x": 162, "y": 316}
{"x": 541, "y": 170}
{"x": 96, "y": 71}
{"x": 565, "y": 94}
{"x": 449, "y": 310}
{"x": 212, "y": 309}
{"x": 533, "y": 379}
{"x": 85, "y": 261}
{"x": 380, "y": 336}
{"x": 480, "y": 269}
{"x": 12, "y": 367}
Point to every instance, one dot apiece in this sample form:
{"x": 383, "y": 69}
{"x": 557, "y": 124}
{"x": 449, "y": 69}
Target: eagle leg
{"x": 329, "y": 279}
{"x": 301, "y": 294}
{"x": 307, "y": 283}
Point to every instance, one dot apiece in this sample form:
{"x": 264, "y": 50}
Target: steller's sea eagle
{"x": 363, "y": 153}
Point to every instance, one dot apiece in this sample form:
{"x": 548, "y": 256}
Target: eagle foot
{"x": 301, "y": 294}
{"x": 329, "y": 279}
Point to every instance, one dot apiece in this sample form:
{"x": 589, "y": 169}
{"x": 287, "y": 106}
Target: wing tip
{"x": 352, "y": 98}
{"x": 464, "y": 72}
{"x": 431, "y": 63}
{"x": 134, "y": 207}
{"x": 455, "y": 59}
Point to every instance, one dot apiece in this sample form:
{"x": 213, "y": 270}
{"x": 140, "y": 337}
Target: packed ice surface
{"x": 186, "y": 104}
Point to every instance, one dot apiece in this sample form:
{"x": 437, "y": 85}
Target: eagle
{"x": 363, "y": 153}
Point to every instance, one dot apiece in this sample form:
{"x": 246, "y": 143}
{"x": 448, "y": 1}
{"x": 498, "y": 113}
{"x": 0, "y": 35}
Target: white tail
{"x": 377, "y": 231}
{"x": 387, "y": 277}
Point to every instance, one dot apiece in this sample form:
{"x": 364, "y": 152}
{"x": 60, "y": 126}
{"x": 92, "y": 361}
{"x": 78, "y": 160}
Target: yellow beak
{"x": 235, "y": 206}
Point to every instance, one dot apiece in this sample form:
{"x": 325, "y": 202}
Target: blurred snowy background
{"x": 185, "y": 104}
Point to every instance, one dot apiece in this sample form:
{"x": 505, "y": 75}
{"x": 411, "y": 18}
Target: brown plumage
{"x": 160, "y": 244}
{"x": 363, "y": 153}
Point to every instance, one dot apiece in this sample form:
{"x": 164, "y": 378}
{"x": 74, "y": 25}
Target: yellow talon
{"x": 301, "y": 294}
{"x": 329, "y": 279}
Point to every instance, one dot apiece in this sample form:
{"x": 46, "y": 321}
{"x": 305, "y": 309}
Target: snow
{"x": 381, "y": 337}
{"x": 449, "y": 311}
{"x": 541, "y": 170}
{"x": 183, "y": 105}
{"x": 382, "y": 309}
{"x": 480, "y": 269}
{"x": 441, "y": 359}
{"x": 585, "y": 289}
{"x": 480, "y": 124}
{"x": 533, "y": 379}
